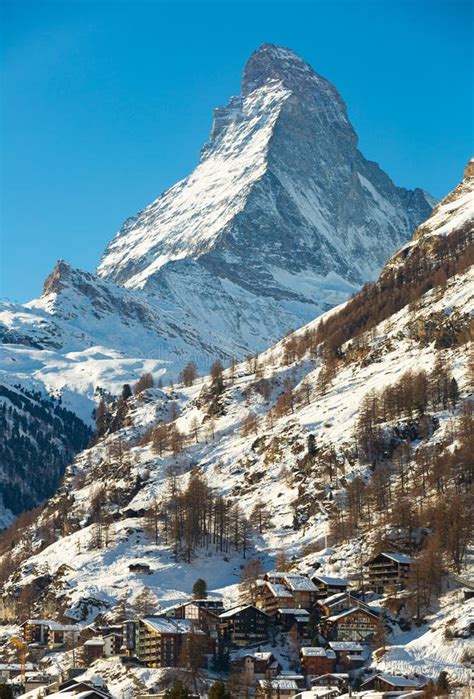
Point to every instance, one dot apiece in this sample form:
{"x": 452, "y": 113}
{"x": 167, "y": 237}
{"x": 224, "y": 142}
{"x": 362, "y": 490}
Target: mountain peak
{"x": 272, "y": 62}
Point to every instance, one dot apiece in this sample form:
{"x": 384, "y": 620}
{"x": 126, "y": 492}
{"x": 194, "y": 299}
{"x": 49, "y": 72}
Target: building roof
{"x": 95, "y": 642}
{"x": 52, "y": 625}
{"x": 161, "y": 625}
{"x": 281, "y": 683}
{"x": 346, "y": 612}
{"x": 394, "y": 680}
{"x": 313, "y": 652}
{"x": 236, "y": 610}
{"x": 347, "y": 646}
{"x": 393, "y": 556}
{"x": 294, "y": 612}
{"x": 258, "y": 655}
{"x": 398, "y": 557}
{"x": 330, "y": 581}
{"x": 279, "y": 590}
{"x": 300, "y": 583}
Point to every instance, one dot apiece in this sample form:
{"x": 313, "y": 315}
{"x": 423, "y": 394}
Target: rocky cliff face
{"x": 282, "y": 205}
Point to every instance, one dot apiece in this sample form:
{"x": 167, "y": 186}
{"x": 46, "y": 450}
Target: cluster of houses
{"x": 330, "y": 626}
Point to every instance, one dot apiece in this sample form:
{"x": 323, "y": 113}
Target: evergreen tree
{"x": 200, "y": 589}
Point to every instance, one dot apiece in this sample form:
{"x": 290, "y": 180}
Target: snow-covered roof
{"x": 161, "y": 625}
{"x": 95, "y": 642}
{"x": 334, "y": 599}
{"x": 329, "y": 581}
{"x": 299, "y": 583}
{"x": 395, "y": 680}
{"x": 281, "y": 683}
{"x": 347, "y": 646}
{"x": 398, "y": 557}
{"x": 236, "y": 610}
{"x": 52, "y": 625}
{"x": 258, "y": 655}
{"x": 313, "y": 651}
{"x": 346, "y": 612}
{"x": 294, "y": 612}
{"x": 279, "y": 590}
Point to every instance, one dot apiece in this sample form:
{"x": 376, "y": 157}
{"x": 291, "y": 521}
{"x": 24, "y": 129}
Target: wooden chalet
{"x": 354, "y": 624}
{"x": 159, "y": 640}
{"x": 288, "y": 618}
{"x": 331, "y": 679}
{"x": 326, "y": 585}
{"x": 304, "y": 591}
{"x": 257, "y": 666}
{"x": 275, "y": 596}
{"x": 316, "y": 660}
{"x": 391, "y": 683}
{"x": 243, "y": 625}
{"x": 93, "y": 649}
{"x": 388, "y": 571}
{"x": 203, "y": 613}
{"x": 349, "y": 655}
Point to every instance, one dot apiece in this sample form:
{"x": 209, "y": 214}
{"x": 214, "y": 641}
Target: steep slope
{"x": 250, "y": 439}
{"x": 39, "y": 439}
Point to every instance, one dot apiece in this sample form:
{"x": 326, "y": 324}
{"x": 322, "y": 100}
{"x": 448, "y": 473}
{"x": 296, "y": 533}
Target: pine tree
{"x": 200, "y": 589}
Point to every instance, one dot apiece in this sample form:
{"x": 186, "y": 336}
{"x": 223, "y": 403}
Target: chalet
{"x": 243, "y": 625}
{"x": 391, "y": 683}
{"x": 354, "y": 624}
{"x": 341, "y": 601}
{"x": 278, "y": 688}
{"x": 139, "y": 568}
{"x": 52, "y": 634}
{"x": 93, "y": 649}
{"x": 326, "y": 585}
{"x": 332, "y": 679}
{"x": 276, "y": 596}
{"x": 349, "y": 655}
{"x": 159, "y": 641}
{"x": 288, "y": 618}
{"x": 203, "y": 613}
{"x": 388, "y": 571}
{"x": 304, "y": 591}
{"x": 317, "y": 661}
{"x": 257, "y": 666}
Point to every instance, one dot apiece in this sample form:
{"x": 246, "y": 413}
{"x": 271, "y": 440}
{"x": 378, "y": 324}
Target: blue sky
{"x": 106, "y": 104}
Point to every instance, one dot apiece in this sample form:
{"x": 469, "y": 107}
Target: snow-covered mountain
{"x": 282, "y": 207}
{"x": 252, "y": 444}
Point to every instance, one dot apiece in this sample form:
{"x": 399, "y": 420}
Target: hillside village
{"x": 308, "y": 636}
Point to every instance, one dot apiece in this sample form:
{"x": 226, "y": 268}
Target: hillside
{"x": 353, "y": 433}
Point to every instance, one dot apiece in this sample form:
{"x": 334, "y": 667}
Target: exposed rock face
{"x": 282, "y": 207}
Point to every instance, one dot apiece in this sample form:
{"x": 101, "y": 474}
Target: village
{"x": 307, "y": 636}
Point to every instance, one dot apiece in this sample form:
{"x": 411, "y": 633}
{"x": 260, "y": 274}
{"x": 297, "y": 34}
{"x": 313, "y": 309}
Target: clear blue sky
{"x": 106, "y": 104}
